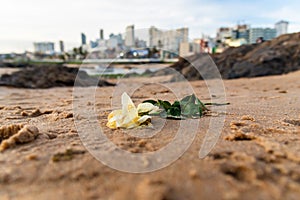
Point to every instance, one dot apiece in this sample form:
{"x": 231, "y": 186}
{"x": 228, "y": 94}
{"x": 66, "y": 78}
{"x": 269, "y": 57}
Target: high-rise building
{"x": 184, "y": 49}
{"x": 114, "y": 41}
{"x": 169, "y": 40}
{"x": 264, "y": 33}
{"x": 101, "y": 34}
{"x": 61, "y": 46}
{"x": 83, "y": 39}
{"x": 241, "y": 32}
{"x": 129, "y": 36}
{"x": 94, "y": 44}
{"x": 117, "y": 37}
{"x": 269, "y": 33}
{"x": 44, "y": 47}
{"x": 154, "y": 37}
{"x": 224, "y": 33}
{"x": 281, "y": 27}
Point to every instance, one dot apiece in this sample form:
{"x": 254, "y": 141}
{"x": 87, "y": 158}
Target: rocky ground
{"x": 47, "y": 76}
{"x": 257, "y": 155}
{"x": 278, "y": 56}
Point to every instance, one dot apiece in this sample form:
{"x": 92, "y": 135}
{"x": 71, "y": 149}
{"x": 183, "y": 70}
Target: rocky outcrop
{"x": 278, "y": 56}
{"x": 50, "y": 76}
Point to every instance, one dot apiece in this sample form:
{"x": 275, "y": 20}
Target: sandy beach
{"x": 256, "y": 157}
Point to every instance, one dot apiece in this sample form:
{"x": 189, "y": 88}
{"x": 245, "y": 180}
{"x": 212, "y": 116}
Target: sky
{"x": 25, "y": 22}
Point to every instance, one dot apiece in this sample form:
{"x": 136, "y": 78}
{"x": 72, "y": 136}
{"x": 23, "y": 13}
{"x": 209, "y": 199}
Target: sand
{"x": 257, "y": 155}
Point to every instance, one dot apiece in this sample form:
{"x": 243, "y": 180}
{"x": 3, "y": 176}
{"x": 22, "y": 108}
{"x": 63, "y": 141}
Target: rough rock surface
{"x": 17, "y": 134}
{"x": 278, "y": 56}
{"x": 49, "y": 76}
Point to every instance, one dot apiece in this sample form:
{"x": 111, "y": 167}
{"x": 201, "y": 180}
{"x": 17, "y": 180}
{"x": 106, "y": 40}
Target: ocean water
{"x": 103, "y": 70}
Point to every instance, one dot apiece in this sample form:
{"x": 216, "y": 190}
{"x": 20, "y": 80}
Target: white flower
{"x": 128, "y": 117}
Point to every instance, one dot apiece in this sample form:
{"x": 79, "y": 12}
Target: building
{"x": 61, "y": 46}
{"x": 197, "y": 45}
{"x": 169, "y": 40}
{"x": 255, "y": 33}
{"x": 154, "y": 37}
{"x": 44, "y": 47}
{"x": 101, "y": 34}
{"x": 184, "y": 49}
{"x": 139, "y": 43}
{"x": 281, "y": 27}
{"x": 265, "y": 33}
{"x": 269, "y": 33}
{"x": 236, "y": 42}
{"x": 112, "y": 43}
{"x": 94, "y": 44}
{"x": 118, "y": 37}
{"x": 129, "y": 36}
{"x": 224, "y": 33}
{"x": 83, "y": 39}
{"x": 241, "y": 32}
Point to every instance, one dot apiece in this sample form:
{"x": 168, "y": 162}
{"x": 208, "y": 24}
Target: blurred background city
{"x": 71, "y": 31}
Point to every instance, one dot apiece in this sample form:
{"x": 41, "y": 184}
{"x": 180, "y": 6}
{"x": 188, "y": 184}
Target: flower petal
{"x": 143, "y": 119}
{"x": 146, "y": 107}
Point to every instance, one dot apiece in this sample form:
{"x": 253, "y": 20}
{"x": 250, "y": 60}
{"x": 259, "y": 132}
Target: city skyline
{"x": 28, "y": 22}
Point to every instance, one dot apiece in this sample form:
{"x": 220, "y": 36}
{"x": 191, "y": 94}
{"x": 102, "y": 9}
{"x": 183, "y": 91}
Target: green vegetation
{"x": 188, "y": 107}
{"x": 110, "y": 76}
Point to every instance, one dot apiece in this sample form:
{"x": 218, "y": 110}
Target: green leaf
{"x": 163, "y": 114}
{"x": 191, "y": 110}
{"x": 164, "y": 104}
{"x": 187, "y": 99}
{"x": 174, "y": 111}
{"x": 176, "y": 104}
{"x": 150, "y": 101}
{"x": 200, "y": 112}
{"x": 203, "y": 107}
{"x": 187, "y": 109}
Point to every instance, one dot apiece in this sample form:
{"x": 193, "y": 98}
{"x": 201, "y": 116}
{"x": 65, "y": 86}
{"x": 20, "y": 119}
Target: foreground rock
{"x": 12, "y": 135}
{"x": 50, "y": 76}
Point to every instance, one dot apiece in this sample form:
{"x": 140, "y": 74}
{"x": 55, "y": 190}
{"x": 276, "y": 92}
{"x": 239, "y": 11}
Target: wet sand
{"x": 257, "y": 155}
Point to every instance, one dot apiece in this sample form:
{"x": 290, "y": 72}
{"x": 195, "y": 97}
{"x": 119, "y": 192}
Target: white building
{"x": 185, "y": 49}
{"x": 265, "y": 33}
{"x": 154, "y": 37}
{"x": 224, "y": 33}
{"x": 44, "y": 47}
{"x": 281, "y": 27}
{"x": 169, "y": 40}
{"x": 129, "y": 36}
{"x": 114, "y": 41}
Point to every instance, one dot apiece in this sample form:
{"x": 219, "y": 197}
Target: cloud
{"x": 35, "y": 20}
{"x": 287, "y": 12}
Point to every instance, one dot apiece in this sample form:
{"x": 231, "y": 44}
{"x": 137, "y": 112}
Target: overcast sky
{"x": 23, "y": 22}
